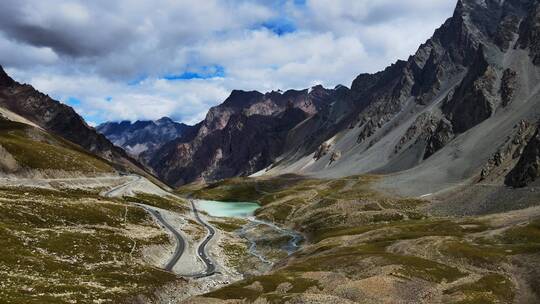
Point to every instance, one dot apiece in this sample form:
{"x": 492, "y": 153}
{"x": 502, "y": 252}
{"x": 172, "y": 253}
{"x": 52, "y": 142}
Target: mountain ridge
{"x": 61, "y": 120}
{"x": 472, "y": 73}
{"x": 141, "y": 138}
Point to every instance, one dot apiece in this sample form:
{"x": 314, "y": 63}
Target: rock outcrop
{"x": 508, "y": 154}
{"x": 529, "y": 33}
{"x": 509, "y": 82}
{"x": 5, "y": 80}
{"x": 527, "y": 169}
{"x": 472, "y": 101}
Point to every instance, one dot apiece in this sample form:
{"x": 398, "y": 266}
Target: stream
{"x": 291, "y": 246}
{"x": 246, "y": 211}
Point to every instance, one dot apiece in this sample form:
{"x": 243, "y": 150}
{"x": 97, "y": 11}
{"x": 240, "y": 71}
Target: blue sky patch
{"x": 73, "y": 102}
{"x": 207, "y": 72}
{"x": 280, "y": 26}
{"x": 137, "y": 80}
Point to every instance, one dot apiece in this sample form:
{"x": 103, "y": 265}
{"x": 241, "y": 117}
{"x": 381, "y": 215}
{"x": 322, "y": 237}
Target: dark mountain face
{"x": 142, "y": 138}
{"x": 241, "y": 136}
{"x": 60, "y": 120}
{"x": 5, "y": 80}
{"x": 527, "y": 169}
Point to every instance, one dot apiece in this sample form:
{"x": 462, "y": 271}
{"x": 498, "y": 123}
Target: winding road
{"x": 201, "y": 251}
{"x": 180, "y": 241}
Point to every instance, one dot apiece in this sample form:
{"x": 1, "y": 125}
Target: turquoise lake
{"x": 227, "y": 209}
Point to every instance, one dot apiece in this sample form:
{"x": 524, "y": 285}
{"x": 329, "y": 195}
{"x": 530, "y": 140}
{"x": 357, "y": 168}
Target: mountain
{"x": 40, "y": 119}
{"x": 462, "y": 108}
{"x": 142, "y": 138}
{"x": 27, "y": 151}
{"x": 241, "y": 136}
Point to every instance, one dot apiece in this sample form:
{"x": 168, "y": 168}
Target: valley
{"x": 419, "y": 183}
{"x": 366, "y": 247}
{"x": 355, "y": 238}
{"x": 156, "y": 242}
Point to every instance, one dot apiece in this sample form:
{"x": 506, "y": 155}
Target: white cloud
{"x": 93, "y": 50}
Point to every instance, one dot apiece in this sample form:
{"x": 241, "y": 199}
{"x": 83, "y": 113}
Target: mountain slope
{"x": 39, "y": 110}
{"x": 442, "y": 115}
{"x": 31, "y": 152}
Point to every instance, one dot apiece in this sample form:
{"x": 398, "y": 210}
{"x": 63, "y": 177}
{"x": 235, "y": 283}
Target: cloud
{"x": 145, "y": 59}
{"x": 26, "y": 56}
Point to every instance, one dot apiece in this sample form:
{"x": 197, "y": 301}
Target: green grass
{"x": 522, "y": 239}
{"x": 236, "y": 254}
{"x": 278, "y": 214}
{"x": 229, "y": 191}
{"x": 326, "y": 210}
{"x": 35, "y": 149}
{"x": 282, "y": 197}
{"x": 403, "y": 230}
{"x": 59, "y": 248}
{"x": 230, "y": 224}
{"x": 353, "y": 260}
{"x": 492, "y": 288}
{"x": 247, "y": 189}
{"x": 477, "y": 255}
{"x": 428, "y": 270}
{"x": 170, "y": 203}
{"x": 269, "y": 285}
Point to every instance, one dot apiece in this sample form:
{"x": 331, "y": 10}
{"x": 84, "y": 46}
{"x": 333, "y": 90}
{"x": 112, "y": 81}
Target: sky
{"x": 145, "y": 59}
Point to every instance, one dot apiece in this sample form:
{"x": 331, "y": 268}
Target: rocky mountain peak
{"x": 5, "y": 80}
{"x": 164, "y": 121}
{"x": 241, "y": 99}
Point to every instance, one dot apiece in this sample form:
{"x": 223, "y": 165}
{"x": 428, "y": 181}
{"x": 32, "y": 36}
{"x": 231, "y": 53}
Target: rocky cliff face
{"x": 444, "y": 113}
{"x": 529, "y": 33}
{"x": 527, "y": 169}
{"x": 241, "y": 136}
{"x": 141, "y": 139}
{"x": 61, "y": 120}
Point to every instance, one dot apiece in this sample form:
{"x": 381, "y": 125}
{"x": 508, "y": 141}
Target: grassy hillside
{"x": 34, "y": 149}
{"x": 367, "y": 247}
{"x": 74, "y": 247}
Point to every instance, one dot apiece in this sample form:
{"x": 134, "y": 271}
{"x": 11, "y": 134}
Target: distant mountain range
{"x": 142, "y": 138}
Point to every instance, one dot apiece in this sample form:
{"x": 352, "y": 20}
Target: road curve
{"x": 110, "y": 193}
{"x": 180, "y": 242}
{"x": 201, "y": 251}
